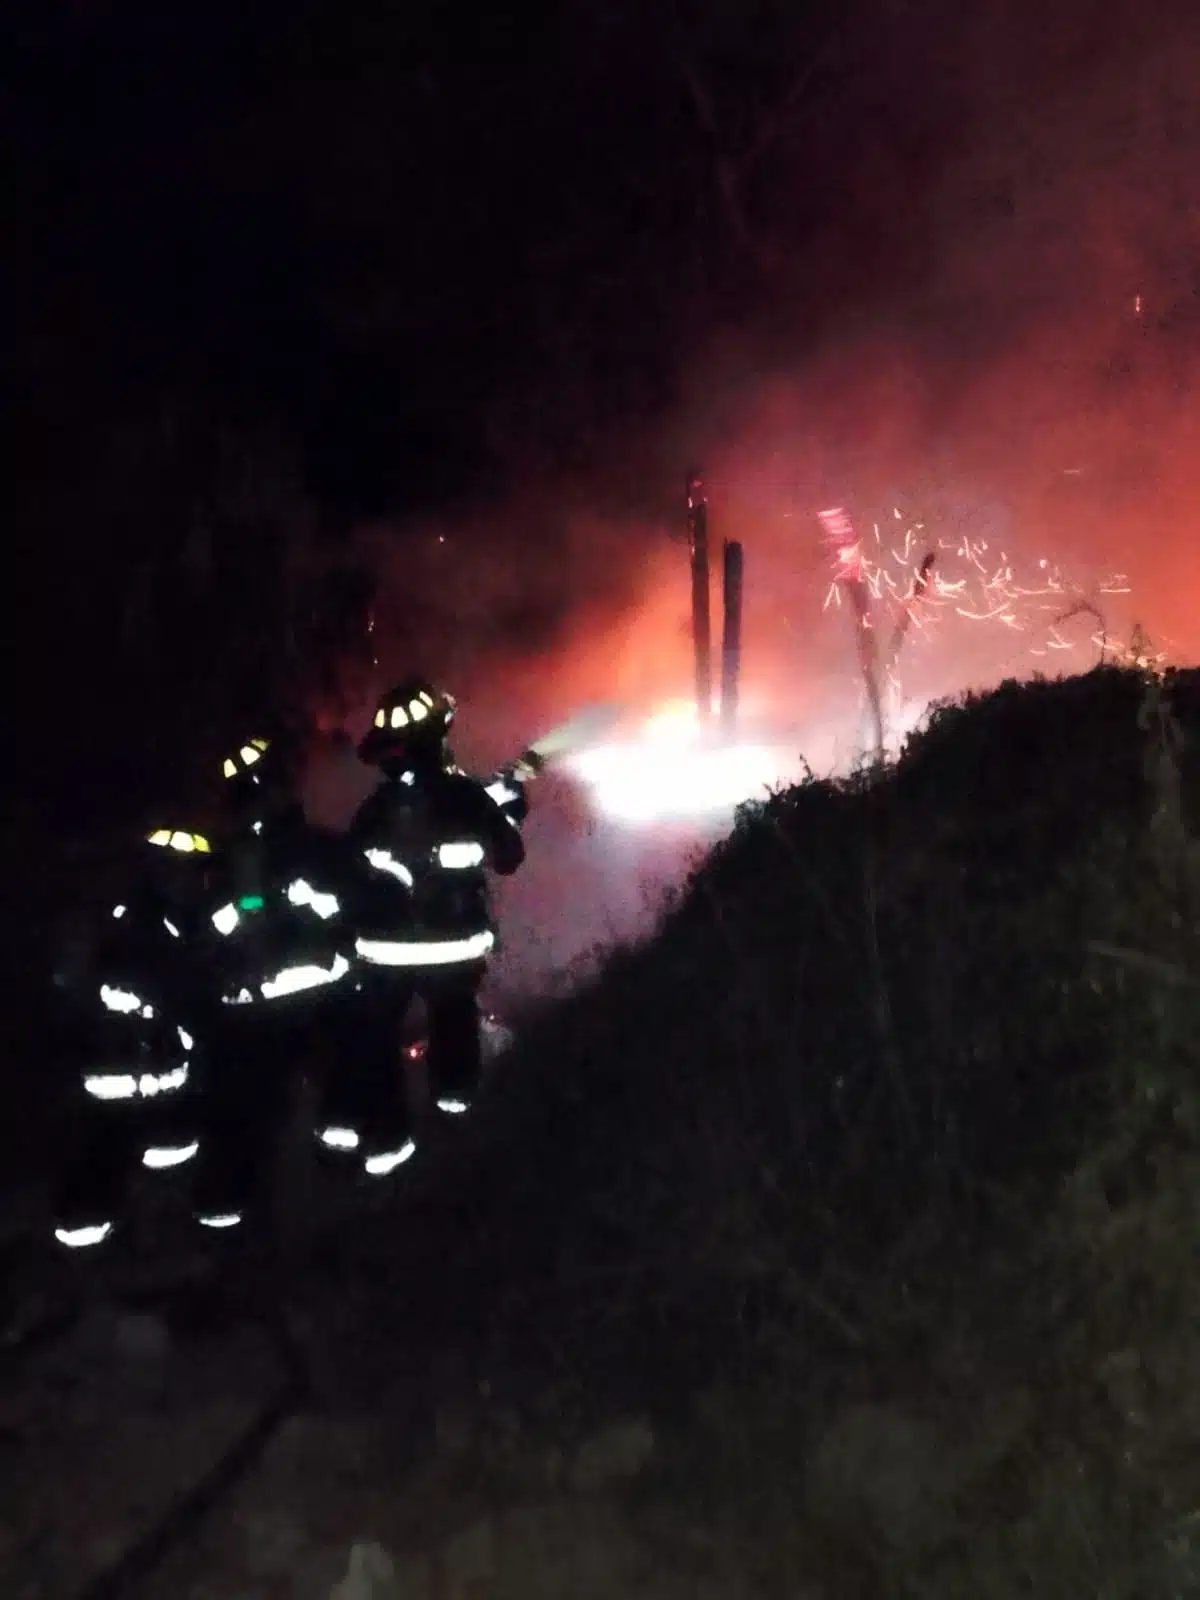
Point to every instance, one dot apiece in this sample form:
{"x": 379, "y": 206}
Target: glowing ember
{"x": 844, "y": 544}
{"x": 970, "y": 581}
{"x": 669, "y": 771}
{"x": 678, "y": 723}
{"x": 923, "y": 582}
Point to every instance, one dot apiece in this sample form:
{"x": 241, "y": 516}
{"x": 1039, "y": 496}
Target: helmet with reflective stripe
{"x": 261, "y": 778}
{"x": 176, "y": 867}
{"x": 411, "y": 721}
{"x": 245, "y": 758}
{"x": 181, "y": 840}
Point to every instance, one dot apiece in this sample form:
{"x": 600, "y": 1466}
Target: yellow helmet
{"x": 247, "y": 755}
{"x": 180, "y": 839}
{"x": 412, "y": 716}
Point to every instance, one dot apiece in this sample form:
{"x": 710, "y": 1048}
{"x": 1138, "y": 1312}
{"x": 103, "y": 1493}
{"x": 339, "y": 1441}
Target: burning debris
{"x": 924, "y": 581}
{"x": 919, "y": 574}
{"x": 852, "y": 581}
{"x": 674, "y": 765}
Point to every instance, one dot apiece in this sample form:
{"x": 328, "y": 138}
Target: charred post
{"x": 731, "y": 640}
{"x": 697, "y": 505}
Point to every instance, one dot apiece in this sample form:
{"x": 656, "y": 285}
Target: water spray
{"x": 567, "y": 739}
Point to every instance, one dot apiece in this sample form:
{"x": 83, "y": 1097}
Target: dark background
{"x": 277, "y": 269}
{"x": 277, "y": 272}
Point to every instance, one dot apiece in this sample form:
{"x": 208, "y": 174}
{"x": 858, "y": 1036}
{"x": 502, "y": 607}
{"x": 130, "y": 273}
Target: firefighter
{"x": 279, "y": 945}
{"x": 139, "y": 1008}
{"x": 433, "y": 832}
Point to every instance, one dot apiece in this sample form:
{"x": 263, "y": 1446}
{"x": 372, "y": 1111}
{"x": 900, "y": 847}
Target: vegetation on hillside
{"x": 876, "y": 1173}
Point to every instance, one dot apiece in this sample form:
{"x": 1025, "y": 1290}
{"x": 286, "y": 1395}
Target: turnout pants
{"x": 113, "y": 1140}
{"x": 365, "y": 1116}
{"x": 259, "y": 1054}
{"x": 454, "y": 1058}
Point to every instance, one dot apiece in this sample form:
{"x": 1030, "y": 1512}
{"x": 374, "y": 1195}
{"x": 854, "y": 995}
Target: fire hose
{"x": 140, "y": 1559}
{"x": 566, "y": 739}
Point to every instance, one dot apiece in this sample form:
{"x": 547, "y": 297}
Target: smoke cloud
{"x": 1026, "y": 389}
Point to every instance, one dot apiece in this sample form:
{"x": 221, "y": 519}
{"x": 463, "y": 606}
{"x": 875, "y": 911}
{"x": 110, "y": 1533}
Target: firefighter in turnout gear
{"x": 279, "y": 946}
{"x": 430, "y": 834}
{"x": 140, "y": 1007}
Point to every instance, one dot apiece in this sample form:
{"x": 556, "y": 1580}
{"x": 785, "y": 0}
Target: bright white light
{"x": 385, "y": 861}
{"x": 225, "y": 919}
{"x": 185, "y": 1038}
{"x": 223, "y": 1219}
{"x": 124, "y": 1086}
{"x": 677, "y": 723}
{"x": 159, "y": 1157}
{"x": 171, "y": 928}
{"x": 339, "y": 1138}
{"x": 111, "y": 1085}
{"x": 645, "y": 782}
{"x": 80, "y": 1238}
{"x": 454, "y": 1108}
{"x": 120, "y": 999}
{"x": 380, "y": 1166}
{"x": 301, "y": 893}
{"x": 460, "y": 854}
{"x": 425, "y": 952}
{"x": 293, "y": 980}
{"x": 674, "y": 769}
{"x": 150, "y": 1084}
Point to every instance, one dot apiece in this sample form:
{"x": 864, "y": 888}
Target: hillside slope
{"x": 838, "y": 1242}
{"x": 875, "y": 1175}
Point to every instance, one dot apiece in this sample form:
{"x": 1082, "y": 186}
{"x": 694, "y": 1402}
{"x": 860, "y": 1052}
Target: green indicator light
{"x": 250, "y": 902}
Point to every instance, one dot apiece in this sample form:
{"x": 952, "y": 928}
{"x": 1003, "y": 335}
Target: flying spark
{"x": 915, "y": 584}
{"x": 970, "y": 580}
